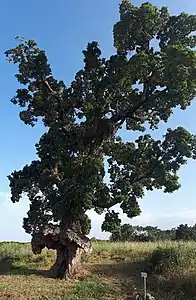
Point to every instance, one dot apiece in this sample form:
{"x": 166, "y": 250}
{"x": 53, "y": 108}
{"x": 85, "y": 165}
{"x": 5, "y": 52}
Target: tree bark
{"x": 69, "y": 245}
{"x": 67, "y": 262}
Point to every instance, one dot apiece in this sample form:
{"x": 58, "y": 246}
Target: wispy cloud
{"x": 165, "y": 220}
{"x": 11, "y": 218}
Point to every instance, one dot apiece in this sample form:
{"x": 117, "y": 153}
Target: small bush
{"x": 169, "y": 259}
{"x": 14, "y": 250}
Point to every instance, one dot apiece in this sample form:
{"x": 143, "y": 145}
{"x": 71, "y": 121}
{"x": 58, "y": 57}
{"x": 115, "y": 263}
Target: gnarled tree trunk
{"x": 67, "y": 261}
{"x": 69, "y": 245}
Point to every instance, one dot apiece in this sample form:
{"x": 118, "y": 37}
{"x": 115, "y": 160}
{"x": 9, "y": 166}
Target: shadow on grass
{"x": 129, "y": 274}
{"x": 182, "y": 288}
{"x": 8, "y": 266}
{"x": 121, "y": 270}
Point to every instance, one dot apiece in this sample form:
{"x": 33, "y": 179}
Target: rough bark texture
{"x": 67, "y": 261}
{"x": 69, "y": 245}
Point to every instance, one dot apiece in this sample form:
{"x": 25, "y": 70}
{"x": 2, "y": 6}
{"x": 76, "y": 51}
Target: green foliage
{"x": 138, "y": 25}
{"x": 92, "y": 288}
{"x": 151, "y": 73}
{"x": 128, "y": 232}
{"x": 112, "y": 222}
{"x": 85, "y": 224}
{"x": 185, "y": 232}
{"x": 168, "y": 259}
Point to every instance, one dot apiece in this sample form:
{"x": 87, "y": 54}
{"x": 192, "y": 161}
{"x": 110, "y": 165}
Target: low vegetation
{"x": 127, "y": 232}
{"x": 112, "y": 271}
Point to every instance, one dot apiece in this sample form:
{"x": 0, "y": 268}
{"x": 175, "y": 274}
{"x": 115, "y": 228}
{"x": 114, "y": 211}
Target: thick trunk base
{"x": 69, "y": 244}
{"x": 67, "y": 262}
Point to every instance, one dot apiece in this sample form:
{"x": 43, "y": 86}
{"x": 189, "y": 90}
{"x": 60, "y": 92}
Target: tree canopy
{"x": 151, "y": 73}
{"x": 127, "y": 232}
{"x": 185, "y": 232}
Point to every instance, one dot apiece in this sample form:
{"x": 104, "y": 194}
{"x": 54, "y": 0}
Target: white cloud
{"x": 11, "y": 218}
{"x": 164, "y": 221}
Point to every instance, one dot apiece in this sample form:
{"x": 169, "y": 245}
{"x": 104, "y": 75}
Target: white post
{"x": 144, "y": 275}
{"x": 145, "y": 292}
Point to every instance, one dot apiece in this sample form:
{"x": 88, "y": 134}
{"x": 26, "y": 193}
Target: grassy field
{"x": 112, "y": 271}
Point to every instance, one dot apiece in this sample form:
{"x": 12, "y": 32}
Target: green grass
{"x": 93, "y": 288}
{"x": 14, "y": 250}
{"x": 111, "y": 271}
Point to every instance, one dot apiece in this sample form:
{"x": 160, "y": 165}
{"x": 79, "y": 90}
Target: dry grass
{"x": 111, "y": 272}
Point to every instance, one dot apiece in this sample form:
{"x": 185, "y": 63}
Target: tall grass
{"x": 14, "y": 250}
{"x": 137, "y": 251}
{"x": 20, "y": 255}
{"x": 171, "y": 267}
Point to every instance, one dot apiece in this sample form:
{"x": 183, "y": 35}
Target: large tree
{"x": 185, "y": 232}
{"x": 151, "y": 73}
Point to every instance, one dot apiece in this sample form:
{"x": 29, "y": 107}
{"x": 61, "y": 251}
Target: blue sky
{"x": 63, "y": 29}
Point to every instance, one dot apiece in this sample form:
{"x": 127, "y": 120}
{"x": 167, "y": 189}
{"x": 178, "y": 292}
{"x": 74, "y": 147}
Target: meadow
{"x": 111, "y": 271}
